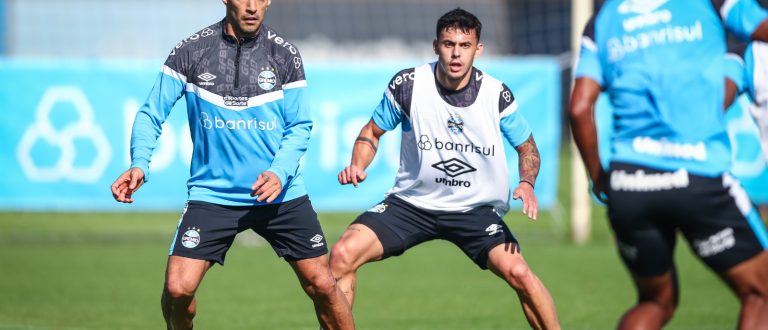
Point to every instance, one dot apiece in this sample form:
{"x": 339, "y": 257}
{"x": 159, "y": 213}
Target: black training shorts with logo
{"x": 206, "y": 231}
{"x": 647, "y": 207}
{"x": 400, "y": 225}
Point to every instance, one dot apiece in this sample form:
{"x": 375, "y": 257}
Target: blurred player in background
{"x": 453, "y": 178}
{"x": 661, "y": 64}
{"x": 249, "y": 121}
{"x": 747, "y": 73}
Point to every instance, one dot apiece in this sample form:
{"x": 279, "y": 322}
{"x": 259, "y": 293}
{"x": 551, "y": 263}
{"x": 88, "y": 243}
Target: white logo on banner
{"x": 42, "y": 130}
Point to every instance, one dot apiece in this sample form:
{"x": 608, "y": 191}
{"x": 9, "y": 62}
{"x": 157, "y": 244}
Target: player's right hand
{"x": 352, "y": 174}
{"x": 126, "y": 184}
{"x": 600, "y": 186}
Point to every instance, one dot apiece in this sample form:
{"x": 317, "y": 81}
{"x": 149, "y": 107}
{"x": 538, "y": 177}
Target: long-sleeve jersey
{"x": 247, "y": 110}
{"x": 661, "y": 63}
{"x": 747, "y": 67}
{"x": 452, "y": 154}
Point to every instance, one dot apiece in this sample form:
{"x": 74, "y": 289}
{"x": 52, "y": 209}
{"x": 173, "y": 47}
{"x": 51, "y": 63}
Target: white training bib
{"x": 453, "y": 158}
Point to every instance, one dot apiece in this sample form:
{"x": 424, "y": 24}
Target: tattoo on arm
{"x": 529, "y": 160}
{"x": 368, "y": 142}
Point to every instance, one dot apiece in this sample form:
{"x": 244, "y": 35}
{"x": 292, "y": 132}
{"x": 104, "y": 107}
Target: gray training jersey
{"x": 452, "y": 156}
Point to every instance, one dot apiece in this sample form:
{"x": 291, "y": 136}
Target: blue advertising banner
{"x": 67, "y": 128}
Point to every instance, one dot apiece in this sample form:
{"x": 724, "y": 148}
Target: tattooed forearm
{"x": 529, "y": 161}
{"x": 368, "y": 142}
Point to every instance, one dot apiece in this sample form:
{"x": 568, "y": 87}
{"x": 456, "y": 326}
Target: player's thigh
{"x": 358, "y": 244}
{"x": 477, "y": 232}
{"x": 398, "y": 225}
{"x": 749, "y": 276}
{"x": 183, "y": 275}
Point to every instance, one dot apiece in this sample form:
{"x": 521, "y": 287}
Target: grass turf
{"x": 105, "y": 271}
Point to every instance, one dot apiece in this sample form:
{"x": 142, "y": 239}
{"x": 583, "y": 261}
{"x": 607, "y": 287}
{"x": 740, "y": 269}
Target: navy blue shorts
{"x": 647, "y": 207}
{"x": 206, "y": 231}
{"x": 400, "y": 225}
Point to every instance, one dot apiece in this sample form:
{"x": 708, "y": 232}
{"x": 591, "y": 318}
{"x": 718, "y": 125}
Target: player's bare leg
{"x": 506, "y": 261}
{"x": 357, "y": 246}
{"x": 182, "y": 278}
{"x": 657, "y": 300}
{"x": 332, "y": 309}
{"x": 749, "y": 280}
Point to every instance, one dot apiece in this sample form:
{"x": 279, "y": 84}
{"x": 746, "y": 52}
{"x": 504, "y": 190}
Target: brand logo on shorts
{"x": 191, "y": 238}
{"x": 318, "y": 240}
{"x": 379, "y": 208}
{"x": 494, "y": 229}
{"x": 716, "y": 243}
{"x": 628, "y": 251}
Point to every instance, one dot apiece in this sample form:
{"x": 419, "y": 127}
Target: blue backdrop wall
{"x": 66, "y": 131}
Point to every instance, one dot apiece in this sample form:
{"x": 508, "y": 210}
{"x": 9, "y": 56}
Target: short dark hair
{"x": 459, "y": 19}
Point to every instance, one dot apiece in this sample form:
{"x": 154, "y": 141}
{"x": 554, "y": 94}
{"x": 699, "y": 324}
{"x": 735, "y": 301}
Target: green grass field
{"x": 77, "y": 271}
{"x": 105, "y": 271}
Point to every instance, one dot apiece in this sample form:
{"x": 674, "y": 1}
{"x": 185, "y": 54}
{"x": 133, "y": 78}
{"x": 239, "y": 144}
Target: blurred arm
{"x": 581, "y": 114}
{"x": 730, "y": 93}
{"x": 761, "y": 33}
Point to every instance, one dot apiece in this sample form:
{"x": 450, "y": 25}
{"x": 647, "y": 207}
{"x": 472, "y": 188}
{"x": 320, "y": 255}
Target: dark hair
{"x": 459, "y": 19}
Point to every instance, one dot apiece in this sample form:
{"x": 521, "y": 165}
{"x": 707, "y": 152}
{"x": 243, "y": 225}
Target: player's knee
{"x": 342, "y": 260}
{"x": 519, "y": 275}
{"x": 176, "y": 289}
{"x": 320, "y": 287}
{"x": 754, "y": 299}
{"x": 753, "y": 293}
{"x": 666, "y": 304}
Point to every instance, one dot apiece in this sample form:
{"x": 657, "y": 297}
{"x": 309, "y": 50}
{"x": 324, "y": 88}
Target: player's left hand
{"x": 524, "y": 191}
{"x": 267, "y": 187}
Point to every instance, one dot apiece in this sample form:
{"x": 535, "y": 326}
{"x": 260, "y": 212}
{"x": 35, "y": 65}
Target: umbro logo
{"x": 206, "y": 79}
{"x": 207, "y": 76}
{"x": 318, "y": 240}
{"x": 494, "y": 229}
{"x": 454, "y": 167}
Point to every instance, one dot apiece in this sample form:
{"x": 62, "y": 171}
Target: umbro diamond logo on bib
{"x": 454, "y": 167}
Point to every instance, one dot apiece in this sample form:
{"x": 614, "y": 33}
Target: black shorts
{"x": 206, "y": 231}
{"x": 400, "y": 225}
{"x": 647, "y": 207}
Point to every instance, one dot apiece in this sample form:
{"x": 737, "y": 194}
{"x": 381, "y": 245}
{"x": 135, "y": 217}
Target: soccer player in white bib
{"x": 453, "y": 178}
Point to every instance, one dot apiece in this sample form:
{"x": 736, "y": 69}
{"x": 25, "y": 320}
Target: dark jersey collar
{"x": 244, "y": 42}
{"x": 463, "y": 97}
